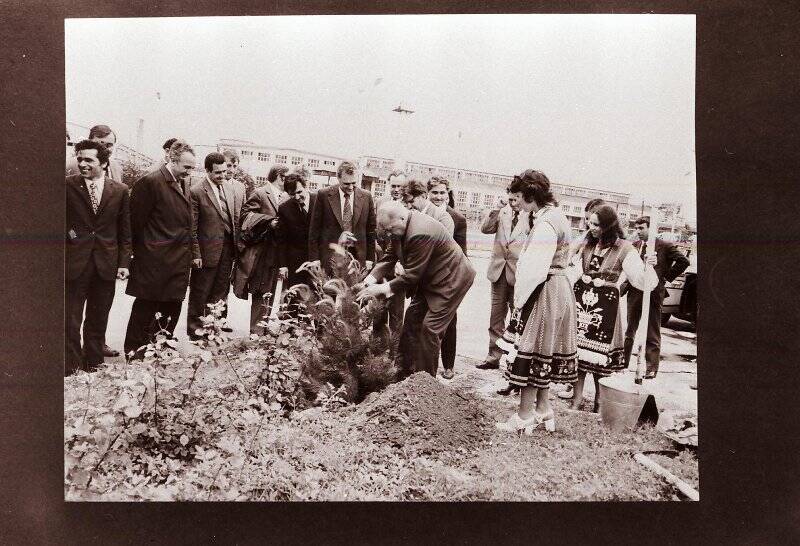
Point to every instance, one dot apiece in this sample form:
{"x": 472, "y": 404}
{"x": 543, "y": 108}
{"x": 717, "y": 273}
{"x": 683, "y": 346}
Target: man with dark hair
{"x": 438, "y": 194}
{"x": 510, "y": 227}
{"x": 161, "y": 224}
{"x": 103, "y": 135}
{"x": 215, "y": 234}
{"x": 343, "y": 209}
{"x": 670, "y": 263}
{"x": 396, "y": 181}
{"x": 257, "y": 269}
{"x": 293, "y": 222}
{"x": 98, "y": 251}
{"x": 415, "y": 196}
{"x": 240, "y": 180}
{"x": 434, "y": 268}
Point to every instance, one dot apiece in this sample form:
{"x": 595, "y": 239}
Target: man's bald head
{"x": 391, "y": 218}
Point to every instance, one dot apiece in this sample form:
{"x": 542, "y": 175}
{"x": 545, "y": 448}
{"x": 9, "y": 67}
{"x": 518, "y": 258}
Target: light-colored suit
{"x": 502, "y": 268}
{"x": 442, "y": 216}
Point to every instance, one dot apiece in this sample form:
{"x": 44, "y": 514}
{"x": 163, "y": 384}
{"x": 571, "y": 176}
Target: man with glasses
{"x": 103, "y": 135}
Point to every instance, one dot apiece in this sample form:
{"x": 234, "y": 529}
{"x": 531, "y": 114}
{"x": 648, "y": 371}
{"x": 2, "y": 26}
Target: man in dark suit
{"x": 161, "y": 225}
{"x": 342, "y": 208}
{"x": 438, "y": 193}
{"x": 215, "y": 233}
{"x": 98, "y": 252}
{"x": 435, "y": 268}
{"x": 293, "y": 221}
{"x": 261, "y": 267}
{"x": 670, "y": 263}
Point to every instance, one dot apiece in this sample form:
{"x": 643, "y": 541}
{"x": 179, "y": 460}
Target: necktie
{"x": 93, "y": 196}
{"x": 514, "y": 220}
{"x": 223, "y": 205}
{"x": 641, "y": 253}
{"x": 530, "y": 220}
{"x": 302, "y": 207}
{"x": 347, "y": 214}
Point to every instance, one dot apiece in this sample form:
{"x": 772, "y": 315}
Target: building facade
{"x": 475, "y": 192}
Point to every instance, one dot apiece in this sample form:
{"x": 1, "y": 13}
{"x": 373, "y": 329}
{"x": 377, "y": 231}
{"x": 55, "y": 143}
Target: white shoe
{"x": 515, "y": 423}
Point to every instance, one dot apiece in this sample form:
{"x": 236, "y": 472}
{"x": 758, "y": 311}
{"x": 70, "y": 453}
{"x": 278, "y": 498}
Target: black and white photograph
{"x": 381, "y": 258}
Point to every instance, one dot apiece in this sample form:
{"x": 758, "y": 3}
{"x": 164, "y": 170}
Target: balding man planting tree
{"x": 433, "y": 270}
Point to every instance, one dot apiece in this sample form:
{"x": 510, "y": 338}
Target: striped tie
{"x": 93, "y": 196}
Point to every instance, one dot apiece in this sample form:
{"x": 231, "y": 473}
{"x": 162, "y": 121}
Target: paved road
{"x": 679, "y": 348}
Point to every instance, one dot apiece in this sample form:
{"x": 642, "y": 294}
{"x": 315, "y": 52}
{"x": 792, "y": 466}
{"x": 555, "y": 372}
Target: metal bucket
{"x": 623, "y": 403}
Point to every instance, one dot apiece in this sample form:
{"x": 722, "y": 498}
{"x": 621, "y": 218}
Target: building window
{"x": 296, "y": 160}
{"x": 476, "y": 199}
{"x": 247, "y": 153}
{"x": 331, "y": 163}
{"x": 280, "y": 158}
{"x": 379, "y": 188}
{"x": 313, "y": 162}
{"x": 576, "y": 210}
{"x": 488, "y": 199}
{"x": 461, "y": 199}
{"x": 312, "y": 185}
{"x": 261, "y": 179}
{"x": 263, "y": 156}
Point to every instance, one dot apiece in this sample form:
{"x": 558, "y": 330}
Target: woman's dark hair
{"x": 610, "y": 229}
{"x": 451, "y": 201}
{"x": 593, "y": 204}
{"x": 290, "y": 182}
{"x": 534, "y": 186}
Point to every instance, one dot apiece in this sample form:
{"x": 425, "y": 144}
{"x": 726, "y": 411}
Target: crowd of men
{"x": 166, "y": 235}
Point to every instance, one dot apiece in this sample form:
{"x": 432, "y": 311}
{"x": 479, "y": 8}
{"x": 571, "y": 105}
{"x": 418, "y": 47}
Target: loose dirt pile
{"x": 424, "y": 415}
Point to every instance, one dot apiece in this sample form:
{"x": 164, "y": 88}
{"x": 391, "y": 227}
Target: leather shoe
{"x": 508, "y": 390}
{"x": 447, "y": 373}
{"x": 108, "y": 351}
{"x": 488, "y": 366}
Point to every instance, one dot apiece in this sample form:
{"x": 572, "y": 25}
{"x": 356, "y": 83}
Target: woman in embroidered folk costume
{"x": 602, "y": 260}
{"x": 546, "y": 345}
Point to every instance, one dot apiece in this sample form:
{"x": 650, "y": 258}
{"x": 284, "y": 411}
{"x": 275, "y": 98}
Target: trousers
{"x": 209, "y": 285}
{"x": 653, "y": 344}
{"x": 502, "y": 305}
{"x": 143, "y": 325}
{"x": 96, "y": 295}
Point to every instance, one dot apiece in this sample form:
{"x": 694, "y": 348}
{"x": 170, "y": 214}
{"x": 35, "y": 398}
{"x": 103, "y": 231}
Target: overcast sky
{"x": 603, "y": 101}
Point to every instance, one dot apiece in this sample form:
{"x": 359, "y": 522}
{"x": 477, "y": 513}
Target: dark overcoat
{"x": 293, "y": 237}
{"x": 460, "y": 230}
{"x": 161, "y": 226}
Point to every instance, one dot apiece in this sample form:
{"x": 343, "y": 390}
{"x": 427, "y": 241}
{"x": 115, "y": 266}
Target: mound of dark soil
{"x": 424, "y": 415}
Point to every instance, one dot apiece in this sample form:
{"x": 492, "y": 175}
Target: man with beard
{"x": 98, "y": 252}
{"x": 161, "y": 225}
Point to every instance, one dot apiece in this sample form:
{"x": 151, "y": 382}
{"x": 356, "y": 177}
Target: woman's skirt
{"x": 600, "y": 334}
{"x": 546, "y": 348}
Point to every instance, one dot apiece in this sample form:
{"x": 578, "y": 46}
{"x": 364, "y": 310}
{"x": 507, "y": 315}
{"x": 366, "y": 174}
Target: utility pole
{"x": 140, "y": 136}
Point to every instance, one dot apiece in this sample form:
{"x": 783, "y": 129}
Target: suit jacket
{"x": 507, "y": 244}
{"x": 293, "y": 236}
{"x": 432, "y": 262}
{"x": 208, "y": 224}
{"x": 670, "y": 263}
{"x": 161, "y": 227}
{"x": 104, "y": 237}
{"x": 262, "y": 260}
{"x": 326, "y": 224}
{"x": 114, "y": 169}
{"x": 460, "y": 230}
